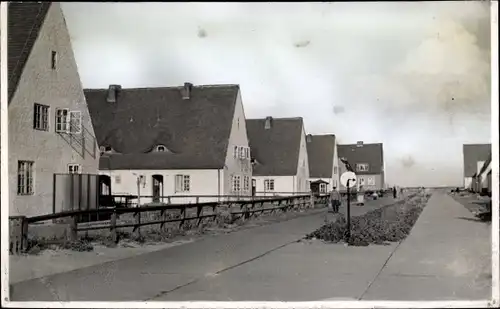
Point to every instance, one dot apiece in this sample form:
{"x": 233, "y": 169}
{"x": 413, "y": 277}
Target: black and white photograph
{"x": 332, "y": 152}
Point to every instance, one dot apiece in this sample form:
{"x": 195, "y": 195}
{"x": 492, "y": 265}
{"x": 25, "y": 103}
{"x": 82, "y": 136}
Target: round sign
{"x": 348, "y": 176}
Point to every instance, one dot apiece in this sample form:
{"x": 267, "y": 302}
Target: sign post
{"x": 348, "y": 179}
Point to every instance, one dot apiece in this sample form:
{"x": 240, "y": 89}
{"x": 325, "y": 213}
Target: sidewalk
{"x": 447, "y": 256}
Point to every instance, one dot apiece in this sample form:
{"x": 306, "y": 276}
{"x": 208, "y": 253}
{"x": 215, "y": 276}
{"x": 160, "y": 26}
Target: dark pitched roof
{"x": 276, "y": 150}
{"x": 195, "y": 131}
{"x": 373, "y": 154}
{"x": 25, "y": 20}
{"x": 472, "y": 153}
{"x": 320, "y": 152}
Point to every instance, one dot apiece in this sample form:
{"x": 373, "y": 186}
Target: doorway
{"x": 157, "y": 188}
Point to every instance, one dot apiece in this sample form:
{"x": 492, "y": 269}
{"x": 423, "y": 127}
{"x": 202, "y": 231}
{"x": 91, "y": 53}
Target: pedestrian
{"x": 394, "y": 192}
{"x": 335, "y": 200}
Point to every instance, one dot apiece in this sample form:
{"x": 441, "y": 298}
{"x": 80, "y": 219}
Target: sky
{"x": 414, "y": 76}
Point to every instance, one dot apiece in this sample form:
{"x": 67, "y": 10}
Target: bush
{"x": 389, "y": 224}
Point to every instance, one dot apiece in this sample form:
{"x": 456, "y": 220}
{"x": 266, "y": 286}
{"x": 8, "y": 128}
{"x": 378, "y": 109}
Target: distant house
{"x": 172, "y": 141}
{"x": 474, "y": 156}
{"x": 367, "y": 161}
{"x": 50, "y": 131}
{"x": 279, "y": 155}
{"x": 322, "y": 154}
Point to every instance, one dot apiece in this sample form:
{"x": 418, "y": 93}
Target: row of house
{"x": 150, "y": 142}
{"x": 477, "y": 167}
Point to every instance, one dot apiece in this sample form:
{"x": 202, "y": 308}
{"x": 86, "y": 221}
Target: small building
{"x": 50, "y": 131}
{"x": 172, "y": 144}
{"x": 474, "y": 156}
{"x": 279, "y": 156}
{"x": 323, "y": 159}
{"x": 367, "y": 161}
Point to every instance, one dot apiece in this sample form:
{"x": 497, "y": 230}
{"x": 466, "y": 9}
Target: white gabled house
{"x": 323, "y": 162}
{"x": 279, "y": 156}
{"x": 172, "y": 144}
{"x": 50, "y": 131}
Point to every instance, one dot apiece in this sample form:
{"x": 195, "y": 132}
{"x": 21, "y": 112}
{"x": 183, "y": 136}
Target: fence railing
{"x": 133, "y": 217}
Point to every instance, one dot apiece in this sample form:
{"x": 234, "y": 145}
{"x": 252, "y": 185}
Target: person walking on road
{"x": 335, "y": 200}
{"x": 394, "y": 192}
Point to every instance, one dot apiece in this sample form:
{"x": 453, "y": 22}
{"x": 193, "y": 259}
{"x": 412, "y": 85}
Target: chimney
{"x": 113, "y": 93}
{"x": 309, "y": 138}
{"x": 186, "y": 91}
{"x": 268, "y": 124}
{"x": 359, "y": 144}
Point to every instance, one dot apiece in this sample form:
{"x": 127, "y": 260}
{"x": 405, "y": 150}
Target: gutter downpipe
{"x": 218, "y": 185}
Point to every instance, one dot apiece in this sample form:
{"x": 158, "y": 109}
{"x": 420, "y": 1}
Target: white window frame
{"x": 362, "y": 167}
{"x": 322, "y": 188}
{"x": 74, "y": 168}
{"x": 335, "y": 170}
{"x": 370, "y": 180}
{"x": 25, "y": 177}
{"x": 268, "y": 185}
{"x": 182, "y": 183}
{"x": 41, "y": 114}
{"x": 68, "y": 121}
{"x": 246, "y": 183}
{"x": 236, "y": 183}
{"x": 361, "y": 181}
{"x": 235, "y": 152}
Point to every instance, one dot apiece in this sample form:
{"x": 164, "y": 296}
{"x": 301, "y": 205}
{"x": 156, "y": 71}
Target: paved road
{"x": 267, "y": 263}
{"x": 156, "y": 275}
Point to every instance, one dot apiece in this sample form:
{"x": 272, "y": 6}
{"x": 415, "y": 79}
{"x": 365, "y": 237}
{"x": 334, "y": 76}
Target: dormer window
{"x": 161, "y": 148}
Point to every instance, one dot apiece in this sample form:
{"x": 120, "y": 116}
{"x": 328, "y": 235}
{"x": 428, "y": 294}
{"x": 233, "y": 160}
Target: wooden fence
{"x": 158, "y": 215}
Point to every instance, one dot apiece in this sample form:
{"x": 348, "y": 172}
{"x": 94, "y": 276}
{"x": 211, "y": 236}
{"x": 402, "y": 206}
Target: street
{"x": 269, "y": 263}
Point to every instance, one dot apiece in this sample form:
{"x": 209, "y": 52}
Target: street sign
{"x": 348, "y": 176}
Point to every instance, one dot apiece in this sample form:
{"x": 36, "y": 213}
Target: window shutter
{"x": 75, "y": 122}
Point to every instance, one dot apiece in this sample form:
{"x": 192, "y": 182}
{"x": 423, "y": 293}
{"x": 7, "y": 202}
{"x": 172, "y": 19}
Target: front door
{"x": 254, "y": 184}
{"x": 157, "y": 187}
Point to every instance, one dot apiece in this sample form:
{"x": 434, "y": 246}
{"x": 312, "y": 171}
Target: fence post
{"x": 73, "y": 233}
{"x": 137, "y": 227}
{"x": 114, "y": 234}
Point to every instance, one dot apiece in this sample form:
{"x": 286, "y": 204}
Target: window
{"x": 25, "y": 177}
{"x": 370, "y": 181}
{"x": 53, "y": 60}
{"x": 161, "y": 148}
{"x": 269, "y": 185}
{"x": 362, "y": 167}
{"x": 242, "y": 153}
{"x": 322, "y": 187}
{"x": 41, "y": 117}
{"x": 247, "y": 153}
{"x": 118, "y": 179}
{"x": 235, "y": 152}
{"x": 361, "y": 181}
{"x": 68, "y": 121}
{"x": 236, "y": 182}
{"x": 74, "y": 169}
{"x": 246, "y": 183}
{"x": 182, "y": 183}
{"x": 335, "y": 170}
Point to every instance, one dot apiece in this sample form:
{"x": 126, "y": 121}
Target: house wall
{"x": 336, "y": 169}
{"x": 378, "y": 178}
{"x": 302, "y": 179}
{"x": 60, "y": 88}
{"x": 202, "y": 182}
{"x": 467, "y": 182}
{"x": 283, "y": 185}
{"x": 237, "y": 166}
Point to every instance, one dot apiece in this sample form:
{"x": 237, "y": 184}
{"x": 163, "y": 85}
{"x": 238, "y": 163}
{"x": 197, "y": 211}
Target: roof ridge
{"x": 166, "y": 87}
{"x": 278, "y": 118}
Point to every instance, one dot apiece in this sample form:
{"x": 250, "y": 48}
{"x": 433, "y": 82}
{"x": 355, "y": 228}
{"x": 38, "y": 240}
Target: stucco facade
{"x": 236, "y": 166}
{"x": 55, "y": 88}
